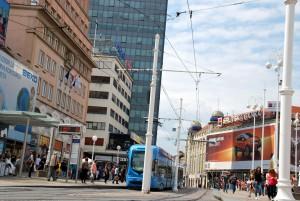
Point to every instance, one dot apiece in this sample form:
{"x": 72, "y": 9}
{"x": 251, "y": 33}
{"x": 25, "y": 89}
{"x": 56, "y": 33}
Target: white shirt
{"x": 37, "y": 161}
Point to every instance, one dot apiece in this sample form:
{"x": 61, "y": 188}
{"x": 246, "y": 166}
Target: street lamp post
{"x": 296, "y": 122}
{"x": 118, "y": 159}
{"x": 286, "y": 92}
{"x": 253, "y": 139}
{"x": 277, "y": 69}
{"x": 94, "y": 138}
{"x": 263, "y": 134}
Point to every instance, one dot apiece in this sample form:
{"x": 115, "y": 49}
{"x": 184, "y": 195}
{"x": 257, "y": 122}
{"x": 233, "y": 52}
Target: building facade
{"x": 108, "y": 109}
{"x": 229, "y": 146}
{"x": 127, "y": 29}
{"x": 50, "y": 37}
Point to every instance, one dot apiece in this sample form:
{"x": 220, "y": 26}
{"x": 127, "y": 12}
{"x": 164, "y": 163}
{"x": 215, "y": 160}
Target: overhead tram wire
{"x": 169, "y": 100}
{"x": 178, "y": 13}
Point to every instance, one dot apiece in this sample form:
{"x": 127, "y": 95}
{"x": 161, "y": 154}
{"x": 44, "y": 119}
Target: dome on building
{"x": 215, "y": 115}
{"x": 195, "y": 126}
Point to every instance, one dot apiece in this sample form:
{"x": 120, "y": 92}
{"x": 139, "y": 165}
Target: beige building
{"x": 50, "y": 37}
{"x": 195, "y": 172}
{"x": 108, "y": 109}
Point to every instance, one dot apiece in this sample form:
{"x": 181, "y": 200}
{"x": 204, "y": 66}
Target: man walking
{"x": 52, "y": 167}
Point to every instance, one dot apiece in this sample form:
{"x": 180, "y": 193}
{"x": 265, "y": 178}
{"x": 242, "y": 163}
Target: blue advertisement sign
{"x": 18, "y": 87}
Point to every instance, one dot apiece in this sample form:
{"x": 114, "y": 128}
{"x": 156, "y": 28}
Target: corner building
{"x": 50, "y": 37}
{"x": 229, "y": 147}
{"x": 127, "y": 29}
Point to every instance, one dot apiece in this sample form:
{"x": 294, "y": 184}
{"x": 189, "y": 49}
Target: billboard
{"x": 236, "y": 146}
{"x": 18, "y": 87}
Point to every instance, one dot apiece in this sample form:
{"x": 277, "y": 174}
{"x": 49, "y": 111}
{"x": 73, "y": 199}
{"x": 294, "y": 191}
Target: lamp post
{"x": 263, "y": 134}
{"x": 253, "y": 139}
{"x": 286, "y": 92}
{"x": 277, "y": 69}
{"x": 296, "y": 122}
{"x": 118, "y": 160}
{"x": 94, "y": 138}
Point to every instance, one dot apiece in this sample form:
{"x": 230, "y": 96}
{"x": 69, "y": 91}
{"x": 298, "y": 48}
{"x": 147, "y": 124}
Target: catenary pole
{"x": 286, "y": 93}
{"x": 148, "y": 149}
{"x": 177, "y": 152}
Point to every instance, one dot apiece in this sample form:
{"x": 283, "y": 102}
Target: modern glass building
{"x": 127, "y": 29}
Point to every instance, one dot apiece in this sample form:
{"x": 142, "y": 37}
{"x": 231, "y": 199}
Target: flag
{"x": 67, "y": 74}
{"x": 76, "y": 82}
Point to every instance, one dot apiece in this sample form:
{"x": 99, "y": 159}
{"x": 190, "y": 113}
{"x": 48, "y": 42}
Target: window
{"x": 96, "y": 125}
{"x": 58, "y": 96}
{"x": 48, "y": 63}
{"x": 97, "y": 110}
{"x": 113, "y": 98}
{"x": 100, "y": 79}
{"x": 41, "y": 58}
{"x": 53, "y": 69}
{"x": 50, "y": 92}
{"x": 115, "y": 84}
{"x": 39, "y": 86}
{"x": 63, "y": 100}
{"x": 61, "y": 73}
{"x": 68, "y": 103}
{"x": 99, "y": 94}
{"x": 112, "y": 113}
{"x": 44, "y": 88}
{"x": 89, "y": 141}
{"x": 110, "y": 128}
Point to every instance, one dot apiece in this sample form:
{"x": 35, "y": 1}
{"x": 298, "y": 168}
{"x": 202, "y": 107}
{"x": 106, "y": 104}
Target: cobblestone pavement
{"x": 237, "y": 196}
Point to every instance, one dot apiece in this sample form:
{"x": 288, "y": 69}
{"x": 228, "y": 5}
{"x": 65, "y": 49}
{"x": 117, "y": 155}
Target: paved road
{"x": 44, "y": 193}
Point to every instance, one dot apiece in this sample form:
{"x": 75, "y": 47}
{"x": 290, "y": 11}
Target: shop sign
{"x": 222, "y": 121}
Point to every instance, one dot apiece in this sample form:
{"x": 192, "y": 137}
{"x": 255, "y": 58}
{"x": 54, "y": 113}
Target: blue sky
{"x": 236, "y": 41}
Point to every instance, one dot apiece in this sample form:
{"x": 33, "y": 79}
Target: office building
{"x": 108, "y": 111}
{"x": 127, "y": 29}
{"x": 51, "y": 38}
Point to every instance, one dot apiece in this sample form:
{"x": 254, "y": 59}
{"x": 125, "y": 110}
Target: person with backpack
{"x": 271, "y": 183}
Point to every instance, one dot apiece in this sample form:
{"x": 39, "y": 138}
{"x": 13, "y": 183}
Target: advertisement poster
{"x": 75, "y": 149}
{"x": 18, "y": 89}
{"x": 4, "y": 12}
{"x": 238, "y": 145}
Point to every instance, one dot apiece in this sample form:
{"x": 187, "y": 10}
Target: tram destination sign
{"x": 69, "y": 129}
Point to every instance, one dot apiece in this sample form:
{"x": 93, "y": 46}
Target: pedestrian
{"x": 30, "y": 165}
{"x": 37, "y": 162}
{"x": 18, "y": 165}
{"x": 233, "y": 182}
{"x": 52, "y": 167}
{"x": 251, "y": 185}
{"x": 84, "y": 170}
{"x": 116, "y": 176}
{"x": 225, "y": 183}
{"x": 271, "y": 179}
{"x": 93, "y": 171}
{"x": 64, "y": 168}
{"x": 100, "y": 173}
{"x": 112, "y": 172}
{"x": 258, "y": 182}
{"x": 106, "y": 173}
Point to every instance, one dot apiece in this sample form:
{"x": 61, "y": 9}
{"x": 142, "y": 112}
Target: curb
{"x": 69, "y": 186}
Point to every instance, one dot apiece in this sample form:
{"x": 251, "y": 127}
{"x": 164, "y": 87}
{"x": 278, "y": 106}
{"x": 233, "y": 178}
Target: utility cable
{"x": 169, "y": 100}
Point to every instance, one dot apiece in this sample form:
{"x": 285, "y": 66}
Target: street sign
{"x": 69, "y": 129}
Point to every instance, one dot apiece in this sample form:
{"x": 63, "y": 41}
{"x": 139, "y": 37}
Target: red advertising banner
{"x": 237, "y": 145}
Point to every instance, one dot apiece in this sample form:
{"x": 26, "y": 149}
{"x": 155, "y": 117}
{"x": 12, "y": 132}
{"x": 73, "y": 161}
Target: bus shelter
{"x": 28, "y": 119}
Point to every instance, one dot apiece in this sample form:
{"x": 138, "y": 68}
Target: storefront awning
{"x": 21, "y": 118}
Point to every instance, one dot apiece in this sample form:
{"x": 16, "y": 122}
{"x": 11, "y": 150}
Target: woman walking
{"x": 106, "y": 173}
{"x": 271, "y": 183}
{"x": 258, "y": 182}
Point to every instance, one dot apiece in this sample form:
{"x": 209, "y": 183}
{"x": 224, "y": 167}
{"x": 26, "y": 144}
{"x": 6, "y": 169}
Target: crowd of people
{"x": 97, "y": 172}
{"x": 58, "y": 168}
{"x": 257, "y": 183}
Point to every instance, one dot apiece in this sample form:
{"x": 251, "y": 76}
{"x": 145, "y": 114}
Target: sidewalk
{"x": 59, "y": 183}
{"x": 237, "y": 196}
